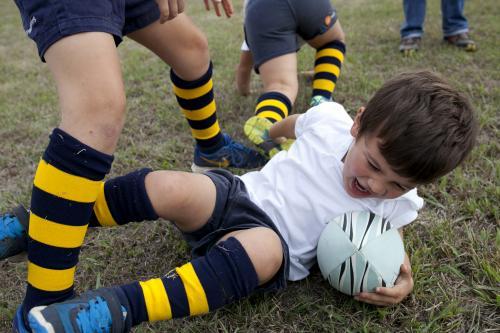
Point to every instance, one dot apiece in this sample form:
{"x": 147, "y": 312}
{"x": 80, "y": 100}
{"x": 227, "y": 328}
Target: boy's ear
{"x": 356, "y": 124}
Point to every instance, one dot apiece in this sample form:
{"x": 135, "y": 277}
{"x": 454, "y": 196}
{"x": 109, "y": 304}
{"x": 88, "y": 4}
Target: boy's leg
{"x": 231, "y": 270}
{"x": 125, "y": 199}
{"x": 244, "y": 72}
{"x": 330, "y": 51}
{"x": 279, "y": 77}
{"x": 413, "y": 26}
{"x": 183, "y": 46}
{"x": 91, "y": 94}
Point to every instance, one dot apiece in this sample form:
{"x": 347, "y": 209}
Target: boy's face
{"x": 366, "y": 173}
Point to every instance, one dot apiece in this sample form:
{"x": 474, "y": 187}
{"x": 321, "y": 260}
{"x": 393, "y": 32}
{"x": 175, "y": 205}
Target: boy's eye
{"x": 401, "y": 188}
{"x": 373, "y": 166}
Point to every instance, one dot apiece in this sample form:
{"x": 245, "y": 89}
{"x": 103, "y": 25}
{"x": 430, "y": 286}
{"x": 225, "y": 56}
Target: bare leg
{"x": 179, "y": 43}
{"x": 92, "y": 100}
{"x": 89, "y": 82}
{"x": 244, "y": 73}
{"x": 280, "y": 74}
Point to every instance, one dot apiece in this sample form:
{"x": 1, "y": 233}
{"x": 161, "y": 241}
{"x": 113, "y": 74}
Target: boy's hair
{"x": 426, "y": 128}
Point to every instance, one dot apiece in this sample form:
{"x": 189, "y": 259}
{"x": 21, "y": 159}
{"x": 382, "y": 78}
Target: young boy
{"x": 77, "y": 40}
{"x": 274, "y": 31}
{"x": 255, "y": 232}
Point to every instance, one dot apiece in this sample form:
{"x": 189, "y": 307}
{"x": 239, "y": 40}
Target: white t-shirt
{"x": 302, "y": 189}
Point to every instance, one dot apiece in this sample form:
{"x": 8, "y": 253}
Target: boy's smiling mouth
{"x": 359, "y": 187}
{"x": 357, "y": 190}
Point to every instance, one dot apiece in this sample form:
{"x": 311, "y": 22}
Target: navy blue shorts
{"x": 235, "y": 211}
{"x": 272, "y": 27}
{"x": 47, "y": 21}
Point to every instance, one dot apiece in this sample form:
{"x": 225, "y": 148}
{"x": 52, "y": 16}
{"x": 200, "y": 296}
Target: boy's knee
{"x": 110, "y": 115}
{"x": 264, "y": 249}
{"x": 198, "y": 42}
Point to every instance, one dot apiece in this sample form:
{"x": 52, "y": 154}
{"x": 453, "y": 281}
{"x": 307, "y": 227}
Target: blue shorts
{"x": 47, "y": 21}
{"x": 235, "y": 211}
{"x": 272, "y": 27}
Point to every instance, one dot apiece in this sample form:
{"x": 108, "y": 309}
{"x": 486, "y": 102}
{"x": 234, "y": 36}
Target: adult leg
{"x": 454, "y": 21}
{"x": 91, "y": 94}
{"x": 180, "y": 44}
{"x": 414, "y": 13}
{"x": 412, "y": 28}
{"x": 455, "y": 25}
{"x": 330, "y": 51}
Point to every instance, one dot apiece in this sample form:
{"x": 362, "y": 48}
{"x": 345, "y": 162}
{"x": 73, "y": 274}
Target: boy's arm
{"x": 284, "y": 128}
{"x": 390, "y": 296}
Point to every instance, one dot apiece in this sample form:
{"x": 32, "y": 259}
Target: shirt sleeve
{"x": 405, "y": 209}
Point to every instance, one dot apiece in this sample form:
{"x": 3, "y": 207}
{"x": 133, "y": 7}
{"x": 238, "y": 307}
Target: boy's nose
{"x": 377, "y": 187}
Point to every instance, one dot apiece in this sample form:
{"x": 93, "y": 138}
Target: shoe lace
{"x": 95, "y": 317}
{"x": 10, "y": 227}
{"x": 238, "y": 153}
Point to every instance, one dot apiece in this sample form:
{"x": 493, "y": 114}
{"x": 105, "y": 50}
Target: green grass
{"x": 454, "y": 245}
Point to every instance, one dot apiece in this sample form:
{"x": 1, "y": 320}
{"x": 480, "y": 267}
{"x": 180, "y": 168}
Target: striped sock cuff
{"x": 327, "y": 66}
{"x": 225, "y": 274}
{"x": 68, "y": 154}
{"x": 197, "y": 101}
{"x": 274, "y": 106}
{"x": 122, "y": 200}
{"x": 65, "y": 188}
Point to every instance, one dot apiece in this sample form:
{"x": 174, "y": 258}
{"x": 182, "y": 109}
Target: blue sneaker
{"x": 18, "y": 325}
{"x": 97, "y": 311}
{"x": 318, "y": 99}
{"x": 232, "y": 154}
{"x": 13, "y": 232}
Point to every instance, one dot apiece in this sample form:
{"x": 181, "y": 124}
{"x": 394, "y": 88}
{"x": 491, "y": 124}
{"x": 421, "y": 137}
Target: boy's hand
{"x": 390, "y": 296}
{"x": 169, "y": 9}
{"x": 226, "y": 4}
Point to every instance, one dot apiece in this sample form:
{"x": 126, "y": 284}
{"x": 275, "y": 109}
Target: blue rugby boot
{"x": 18, "y": 325}
{"x": 318, "y": 99}
{"x": 98, "y": 311}
{"x": 257, "y": 131}
{"x": 13, "y": 232}
{"x": 231, "y": 155}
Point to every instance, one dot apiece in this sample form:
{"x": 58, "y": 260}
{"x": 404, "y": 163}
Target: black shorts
{"x": 46, "y": 22}
{"x": 235, "y": 211}
{"x": 272, "y": 27}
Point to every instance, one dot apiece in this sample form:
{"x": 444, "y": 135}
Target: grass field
{"x": 453, "y": 246}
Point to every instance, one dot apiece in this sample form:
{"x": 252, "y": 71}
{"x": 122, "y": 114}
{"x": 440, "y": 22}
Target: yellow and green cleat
{"x": 257, "y": 130}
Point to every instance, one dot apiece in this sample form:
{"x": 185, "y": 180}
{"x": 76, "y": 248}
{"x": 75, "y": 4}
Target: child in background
{"x": 273, "y": 34}
{"x": 253, "y": 233}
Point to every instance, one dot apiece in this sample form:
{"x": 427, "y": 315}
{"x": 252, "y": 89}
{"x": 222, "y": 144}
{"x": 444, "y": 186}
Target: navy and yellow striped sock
{"x": 224, "y": 275}
{"x": 65, "y": 188}
{"x": 329, "y": 59}
{"x": 122, "y": 200}
{"x": 274, "y": 106}
{"x": 196, "y": 99}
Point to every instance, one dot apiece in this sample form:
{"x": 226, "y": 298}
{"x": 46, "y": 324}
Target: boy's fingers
{"x": 228, "y": 7}
{"x": 164, "y": 10}
{"x": 216, "y": 4}
{"x": 375, "y": 299}
{"x": 207, "y": 4}
{"x": 173, "y": 9}
{"x": 180, "y": 6}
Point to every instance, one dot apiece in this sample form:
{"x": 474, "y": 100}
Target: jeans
{"x": 454, "y": 22}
